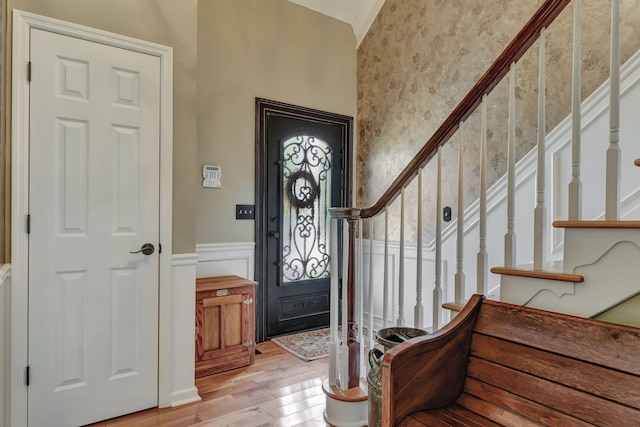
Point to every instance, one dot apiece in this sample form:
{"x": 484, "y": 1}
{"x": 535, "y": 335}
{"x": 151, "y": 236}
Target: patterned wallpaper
{"x": 421, "y": 57}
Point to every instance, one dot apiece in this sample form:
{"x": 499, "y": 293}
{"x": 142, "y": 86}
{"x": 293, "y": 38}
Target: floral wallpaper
{"x": 421, "y": 57}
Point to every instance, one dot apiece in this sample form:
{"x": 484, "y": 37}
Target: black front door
{"x": 304, "y": 155}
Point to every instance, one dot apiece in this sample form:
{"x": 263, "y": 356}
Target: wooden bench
{"x": 501, "y": 364}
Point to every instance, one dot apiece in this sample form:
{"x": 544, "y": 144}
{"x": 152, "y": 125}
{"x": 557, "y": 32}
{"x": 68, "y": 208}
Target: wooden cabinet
{"x": 225, "y": 324}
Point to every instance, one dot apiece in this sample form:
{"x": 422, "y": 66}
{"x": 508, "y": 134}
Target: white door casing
{"x": 93, "y": 199}
{"x": 23, "y": 24}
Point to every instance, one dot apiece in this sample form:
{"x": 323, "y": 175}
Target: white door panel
{"x": 94, "y": 197}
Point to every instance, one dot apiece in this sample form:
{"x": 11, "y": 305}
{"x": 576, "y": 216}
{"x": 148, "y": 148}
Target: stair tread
{"x": 458, "y": 306}
{"x": 453, "y": 306}
{"x": 596, "y": 224}
{"x": 539, "y": 274}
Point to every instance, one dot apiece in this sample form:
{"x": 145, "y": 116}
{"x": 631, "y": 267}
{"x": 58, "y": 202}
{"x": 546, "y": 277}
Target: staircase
{"x": 579, "y": 260}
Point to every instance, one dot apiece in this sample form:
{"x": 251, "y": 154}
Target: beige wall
{"x": 259, "y": 48}
{"x": 171, "y": 23}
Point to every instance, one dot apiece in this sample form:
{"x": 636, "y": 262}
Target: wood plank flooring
{"x": 279, "y": 390}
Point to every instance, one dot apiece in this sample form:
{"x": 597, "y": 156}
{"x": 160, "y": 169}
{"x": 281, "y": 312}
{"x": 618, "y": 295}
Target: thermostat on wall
{"x": 212, "y": 176}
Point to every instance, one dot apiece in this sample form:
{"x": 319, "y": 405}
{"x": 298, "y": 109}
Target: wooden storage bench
{"x": 501, "y": 364}
{"x": 225, "y": 324}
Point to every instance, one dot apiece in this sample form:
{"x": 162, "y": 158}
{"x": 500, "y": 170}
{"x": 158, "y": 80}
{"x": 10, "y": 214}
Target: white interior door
{"x": 93, "y": 198}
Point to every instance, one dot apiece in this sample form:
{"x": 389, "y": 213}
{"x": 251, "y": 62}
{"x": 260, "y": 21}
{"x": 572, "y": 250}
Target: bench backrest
{"x": 552, "y": 368}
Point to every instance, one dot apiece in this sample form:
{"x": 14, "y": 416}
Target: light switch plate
{"x": 245, "y": 212}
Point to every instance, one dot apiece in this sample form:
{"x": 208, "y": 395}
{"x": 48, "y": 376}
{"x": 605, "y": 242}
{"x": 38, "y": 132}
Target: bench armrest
{"x": 428, "y": 372}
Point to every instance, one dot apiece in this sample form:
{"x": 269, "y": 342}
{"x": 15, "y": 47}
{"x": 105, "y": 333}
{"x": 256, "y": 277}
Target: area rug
{"x": 310, "y": 345}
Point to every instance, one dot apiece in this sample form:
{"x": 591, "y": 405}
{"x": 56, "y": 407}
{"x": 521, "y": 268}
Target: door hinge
{"x": 29, "y": 71}
{"x": 159, "y": 248}
{"x": 29, "y": 224}
{"x": 27, "y": 375}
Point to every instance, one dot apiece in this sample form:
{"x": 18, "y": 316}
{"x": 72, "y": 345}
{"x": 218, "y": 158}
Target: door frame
{"x": 23, "y": 22}
{"x": 265, "y": 107}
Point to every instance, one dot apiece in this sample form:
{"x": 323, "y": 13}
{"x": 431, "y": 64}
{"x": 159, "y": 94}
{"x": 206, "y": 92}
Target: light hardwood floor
{"x": 278, "y": 390}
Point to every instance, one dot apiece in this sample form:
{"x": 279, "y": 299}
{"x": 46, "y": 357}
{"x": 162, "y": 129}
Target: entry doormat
{"x": 310, "y": 345}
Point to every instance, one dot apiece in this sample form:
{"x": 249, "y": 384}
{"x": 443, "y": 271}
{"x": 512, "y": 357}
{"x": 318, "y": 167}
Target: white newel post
{"x": 612, "y": 212}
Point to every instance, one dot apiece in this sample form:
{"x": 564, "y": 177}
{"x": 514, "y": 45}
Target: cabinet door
{"x": 221, "y": 322}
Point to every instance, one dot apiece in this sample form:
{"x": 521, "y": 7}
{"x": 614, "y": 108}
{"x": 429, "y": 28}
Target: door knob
{"x": 274, "y": 234}
{"x": 146, "y": 249}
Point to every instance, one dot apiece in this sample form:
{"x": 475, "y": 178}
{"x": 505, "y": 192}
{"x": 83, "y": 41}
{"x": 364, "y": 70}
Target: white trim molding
{"x": 365, "y": 18}
{"x": 183, "y": 300}
{"x": 5, "y": 340}
{"x": 221, "y": 259}
{"x": 23, "y": 22}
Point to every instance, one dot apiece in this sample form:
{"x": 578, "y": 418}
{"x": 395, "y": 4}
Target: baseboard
{"x": 221, "y": 259}
{"x": 184, "y": 396}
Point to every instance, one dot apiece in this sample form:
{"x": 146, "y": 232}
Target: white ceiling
{"x": 358, "y": 13}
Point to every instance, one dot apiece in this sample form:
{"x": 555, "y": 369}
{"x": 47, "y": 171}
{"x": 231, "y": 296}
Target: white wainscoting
{"x": 183, "y": 315}
{"x": 222, "y": 259}
{"x": 410, "y": 255}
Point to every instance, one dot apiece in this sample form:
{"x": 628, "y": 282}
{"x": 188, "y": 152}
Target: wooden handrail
{"x": 636, "y": 162}
{"x": 544, "y": 16}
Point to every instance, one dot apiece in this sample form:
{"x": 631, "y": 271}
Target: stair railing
{"x": 347, "y": 361}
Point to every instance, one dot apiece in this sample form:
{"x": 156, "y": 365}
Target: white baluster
{"x": 575, "y": 186}
{"x": 418, "y": 312}
{"x": 400, "y": 321}
{"x": 510, "y": 236}
{"x": 335, "y": 309}
{"x": 459, "y": 276}
{"x": 437, "y": 290}
{"x": 482, "y": 260}
{"x": 613, "y": 152}
{"x": 344, "y": 348}
{"x": 385, "y": 287}
{"x": 370, "y": 331}
{"x": 540, "y": 212}
{"x": 360, "y": 296}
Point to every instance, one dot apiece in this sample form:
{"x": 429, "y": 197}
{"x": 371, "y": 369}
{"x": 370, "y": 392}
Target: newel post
{"x": 352, "y": 342}
{"x": 350, "y": 347}
{"x": 346, "y": 395}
